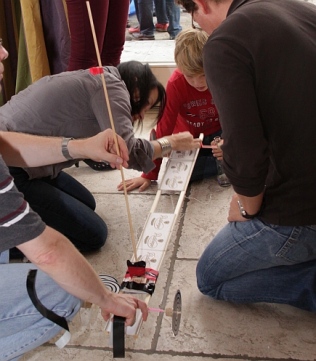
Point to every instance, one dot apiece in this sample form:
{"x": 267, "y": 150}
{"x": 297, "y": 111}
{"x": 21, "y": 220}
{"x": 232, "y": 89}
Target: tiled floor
{"x": 209, "y": 329}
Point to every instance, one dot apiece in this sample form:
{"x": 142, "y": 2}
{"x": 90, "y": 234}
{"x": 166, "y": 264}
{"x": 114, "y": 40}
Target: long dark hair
{"x": 137, "y": 75}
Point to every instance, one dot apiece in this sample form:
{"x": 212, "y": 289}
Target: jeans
{"x": 144, "y": 11}
{"x": 173, "y": 13}
{"x": 22, "y": 327}
{"x": 161, "y": 11}
{"x": 254, "y": 261}
{"x": 65, "y": 205}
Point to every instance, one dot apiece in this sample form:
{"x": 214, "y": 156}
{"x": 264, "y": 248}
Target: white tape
{"x": 65, "y": 338}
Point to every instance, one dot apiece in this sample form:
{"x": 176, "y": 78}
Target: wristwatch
{"x": 244, "y": 213}
{"x": 64, "y": 148}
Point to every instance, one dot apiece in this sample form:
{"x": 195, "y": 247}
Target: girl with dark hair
{"x": 140, "y": 80}
{"x": 72, "y": 104}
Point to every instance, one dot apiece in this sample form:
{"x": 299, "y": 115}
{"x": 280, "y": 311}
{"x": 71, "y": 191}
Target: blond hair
{"x": 189, "y": 45}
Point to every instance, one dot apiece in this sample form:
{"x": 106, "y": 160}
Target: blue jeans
{"x": 253, "y": 261}
{"x": 173, "y": 13}
{"x": 65, "y": 205}
{"x": 144, "y": 12}
{"x": 161, "y": 11}
{"x": 22, "y": 327}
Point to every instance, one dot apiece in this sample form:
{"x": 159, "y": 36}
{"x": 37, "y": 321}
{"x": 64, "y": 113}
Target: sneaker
{"x": 161, "y": 27}
{"x": 143, "y": 37}
{"x": 100, "y": 166}
{"x": 134, "y": 30}
{"x": 171, "y": 37}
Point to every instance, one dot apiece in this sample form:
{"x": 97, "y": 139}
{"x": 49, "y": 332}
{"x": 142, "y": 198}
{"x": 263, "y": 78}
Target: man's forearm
{"x": 57, "y": 257}
{"x": 25, "y": 150}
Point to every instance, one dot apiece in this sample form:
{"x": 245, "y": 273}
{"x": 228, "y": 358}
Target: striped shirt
{"x": 18, "y": 223}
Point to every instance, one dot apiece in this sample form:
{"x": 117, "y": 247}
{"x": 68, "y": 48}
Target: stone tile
{"x": 206, "y": 209}
{"x": 148, "y": 51}
{"x": 215, "y": 328}
{"x": 84, "y": 354}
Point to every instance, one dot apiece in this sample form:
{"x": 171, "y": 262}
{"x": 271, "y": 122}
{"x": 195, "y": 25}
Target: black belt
{"x": 50, "y": 315}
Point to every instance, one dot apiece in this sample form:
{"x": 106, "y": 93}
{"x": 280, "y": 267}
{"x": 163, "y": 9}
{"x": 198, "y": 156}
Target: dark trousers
{"x": 109, "y": 18}
{"x": 65, "y": 205}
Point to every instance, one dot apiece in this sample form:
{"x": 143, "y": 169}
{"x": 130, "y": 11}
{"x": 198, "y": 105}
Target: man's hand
{"x": 138, "y": 182}
{"x": 124, "y": 306}
{"x": 100, "y": 148}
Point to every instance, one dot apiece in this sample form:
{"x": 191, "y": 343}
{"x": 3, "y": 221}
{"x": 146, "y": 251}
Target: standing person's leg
{"x": 173, "y": 13}
{"x": 145, "y": 18}
{"x": 83, "y": 54}
{"x": 23, "y": 328}
{"x": 115, "y": 32}
{"x": 161, "y": 14}
{"x": 253, "y": 261}
{"x": 65, "y": 205}
{"x": 135, "y": 29}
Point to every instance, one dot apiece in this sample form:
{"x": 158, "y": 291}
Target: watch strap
{"x": 64, "y": 148}
{"x": 243, "y": 212}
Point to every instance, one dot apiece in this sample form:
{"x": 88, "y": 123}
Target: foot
{"x": 134, "y": 30}
{"x": 161, "y": 27}
{"x": 143, "y": 37}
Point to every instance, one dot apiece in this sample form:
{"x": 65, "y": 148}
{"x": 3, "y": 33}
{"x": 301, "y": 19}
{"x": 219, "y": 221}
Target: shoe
{"x": 134, "y": 30}
{"x": 128, "y": 24}
{"x": 143, "y": 37}
{"x": 171, "y": 37}
{"x": 100, "y": 166}
{"x": 161, "y": 27}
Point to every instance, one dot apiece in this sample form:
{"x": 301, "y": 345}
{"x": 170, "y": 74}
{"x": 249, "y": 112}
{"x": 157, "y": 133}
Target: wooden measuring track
{"x": 155, "y": 237}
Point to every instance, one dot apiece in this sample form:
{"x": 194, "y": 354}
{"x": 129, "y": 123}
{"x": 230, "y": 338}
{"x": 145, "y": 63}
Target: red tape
{"x": 96, "y": 70}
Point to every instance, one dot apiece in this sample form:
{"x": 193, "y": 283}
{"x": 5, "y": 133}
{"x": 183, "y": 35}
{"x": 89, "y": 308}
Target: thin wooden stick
{"x": 113, "y": 128}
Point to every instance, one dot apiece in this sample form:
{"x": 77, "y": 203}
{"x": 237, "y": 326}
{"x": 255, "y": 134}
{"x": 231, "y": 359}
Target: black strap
{"x": 50, "y": 315}
{"x": 118, "y": 337}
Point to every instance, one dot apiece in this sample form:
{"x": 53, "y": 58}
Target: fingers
{"x": 144, "y": 308}
{"x": 123, "y": 148}
{"x": 129, "y": 186}
{"x": 197, "y": 143}
{"x": 106, "y": 315}
{"x": 143, "y": 187}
